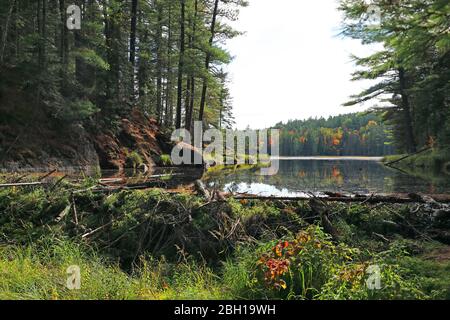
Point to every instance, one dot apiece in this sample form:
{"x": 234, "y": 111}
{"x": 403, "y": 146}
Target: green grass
{"x": 39, "y": 272}
{"x": 223, "y": 248}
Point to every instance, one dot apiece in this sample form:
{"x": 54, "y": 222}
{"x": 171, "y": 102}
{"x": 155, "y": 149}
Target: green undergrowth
{"x": 150, "y": 244}
{"x": 435, "y": 160}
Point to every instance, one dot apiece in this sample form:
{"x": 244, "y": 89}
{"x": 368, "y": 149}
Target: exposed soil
{"x": 139, "y": 134}
{"x": 36, "y": 145}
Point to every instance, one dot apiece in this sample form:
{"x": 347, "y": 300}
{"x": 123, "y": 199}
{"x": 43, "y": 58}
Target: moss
{"x": 165, "y": 160}
{"x": 133, "y": 159}
{"x": 146, "y": 233}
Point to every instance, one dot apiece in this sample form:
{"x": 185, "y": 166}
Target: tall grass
{"x": 39, "y": 272}
{"x": 36, "y": 250}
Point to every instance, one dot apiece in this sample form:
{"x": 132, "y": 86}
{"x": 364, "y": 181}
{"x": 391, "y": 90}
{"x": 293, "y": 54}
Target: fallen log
{"x": 47, "y": 175}
{"x": 110, "y": 180}
{"x": 118, "y": 180}
{"x": 86, "y": 235}
{"x": 422, "y": 198}
{"x": 201, "y": 189}
{"x": 359, "y": 199}
{"x": 380, "y": 236}
{"x": 63, "y": 213}
{"x": 321, "y": 208}
{"x": 22, "y": 184}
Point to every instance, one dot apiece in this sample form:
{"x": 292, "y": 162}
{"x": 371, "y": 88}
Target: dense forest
{"x": 141, "y": 228}
{"x": 164, "y": 56}
{"x": 345, "y": 135}
{"x": 412, "y": 70}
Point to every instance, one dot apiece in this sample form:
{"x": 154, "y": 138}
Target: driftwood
{"x": 321, "y": 208}
{"x": 110, "y": 180}
{"x": 23, "y": 184}
{"x": 201, "y": 189}
{"x": 87, "y": 235}
{"x": 380, "y": 236}
{"x": 47, "y": 175}
{"x": 63, "y": 213}
{"x": 75, "y": 214}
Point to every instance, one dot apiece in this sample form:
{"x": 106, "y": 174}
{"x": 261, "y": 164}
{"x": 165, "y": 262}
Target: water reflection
{"x": 298, "y": 176}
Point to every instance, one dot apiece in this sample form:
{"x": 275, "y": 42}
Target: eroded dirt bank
{"x": 40, "y": 147}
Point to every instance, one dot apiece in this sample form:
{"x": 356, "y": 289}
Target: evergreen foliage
{"x": 163, "y": 56}
{"x": 412, "y": 69}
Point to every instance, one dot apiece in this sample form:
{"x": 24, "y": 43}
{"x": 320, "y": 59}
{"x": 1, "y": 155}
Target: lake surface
{"x": 298, "y": 176}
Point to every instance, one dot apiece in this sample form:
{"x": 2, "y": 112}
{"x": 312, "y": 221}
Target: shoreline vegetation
{"x": 155, "y": 244}
{"x": 434, "y": 160}
{"x": 110, "y": 95}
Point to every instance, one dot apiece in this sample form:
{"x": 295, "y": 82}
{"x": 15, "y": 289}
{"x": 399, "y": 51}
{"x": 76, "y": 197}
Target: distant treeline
{"x": 353, "y": 134}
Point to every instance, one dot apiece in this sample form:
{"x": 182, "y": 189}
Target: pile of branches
{"x": 129, "y": 225}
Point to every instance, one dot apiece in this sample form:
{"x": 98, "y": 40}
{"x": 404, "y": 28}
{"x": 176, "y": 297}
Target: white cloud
{"x": 290, "y": 64}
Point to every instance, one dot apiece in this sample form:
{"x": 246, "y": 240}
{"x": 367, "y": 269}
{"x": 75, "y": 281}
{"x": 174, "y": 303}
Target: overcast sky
{"x": 291, "y": 64}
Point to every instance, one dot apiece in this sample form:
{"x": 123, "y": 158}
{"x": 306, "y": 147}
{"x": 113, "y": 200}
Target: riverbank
{"x": 433, "y": 160}
{"x": 154, "y": 244}
{"x": 135, "y": 140}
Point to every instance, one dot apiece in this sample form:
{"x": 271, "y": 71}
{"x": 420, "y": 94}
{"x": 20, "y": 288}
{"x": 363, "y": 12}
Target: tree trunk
{"x": 112, "y": 35}
{"x": 186, "y": 103}
{"x": 39, "y": 26}
{"x": 191, "y": 82}
{"x": 44, "y": 35}
{"x": 134, "y": 4}
{"x": 180, "y": 66}
{"x": 17, "y": 30}
{"x": 406, "y": 107}
{"x": 159, "y": 62}
{"x": 207, "y": 61}
{"x": 78, "y": 41}
{"x": 64, "y": 44}
{"x": 5, "y": 31}
{"x": 169, "y": 110}
{"x": 133, "y": 28}
{"x": 108, "y": 42}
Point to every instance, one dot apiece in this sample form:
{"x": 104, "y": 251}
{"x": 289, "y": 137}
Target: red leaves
{"x": 274, "y": 269}
{"x": 279, "y": 248}
{"x": 276, "y": 265}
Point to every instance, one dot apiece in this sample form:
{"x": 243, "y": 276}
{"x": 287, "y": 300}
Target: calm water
{"x": 353, "y": 175}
